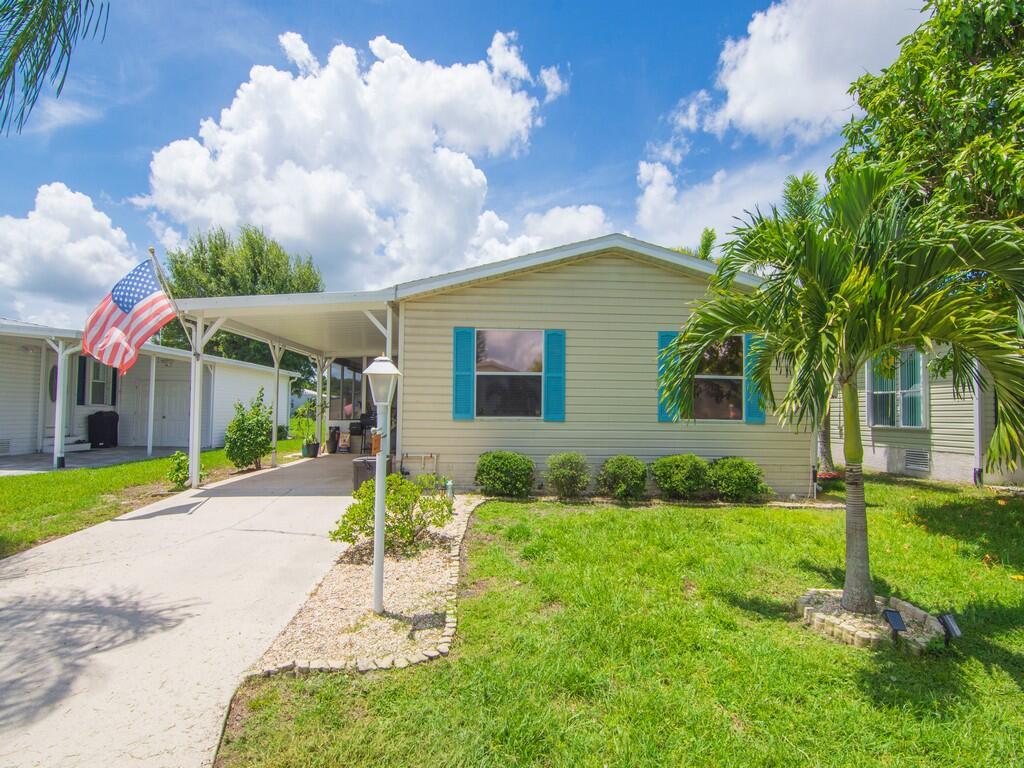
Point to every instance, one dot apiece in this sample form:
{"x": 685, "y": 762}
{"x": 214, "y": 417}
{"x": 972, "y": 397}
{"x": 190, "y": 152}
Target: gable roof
{"x": 612, "y": 242}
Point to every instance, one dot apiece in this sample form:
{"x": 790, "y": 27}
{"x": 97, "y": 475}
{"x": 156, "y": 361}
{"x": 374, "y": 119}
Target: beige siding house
{"x": 916, "y": 425}
{"x": 552, "y": 351}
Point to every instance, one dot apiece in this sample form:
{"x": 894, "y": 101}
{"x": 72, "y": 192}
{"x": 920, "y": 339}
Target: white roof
{"x": 25, "y": 329}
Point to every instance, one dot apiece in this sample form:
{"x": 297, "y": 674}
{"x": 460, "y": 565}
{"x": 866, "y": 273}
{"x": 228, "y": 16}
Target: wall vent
{"x": 917, "y": 461}
{"x": 5, "y": 447}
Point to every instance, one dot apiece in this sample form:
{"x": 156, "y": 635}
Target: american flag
{"x": 129, "y": 315}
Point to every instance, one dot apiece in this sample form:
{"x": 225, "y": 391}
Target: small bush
{"x": 247, "y": 438}
{"x": 568, "y": 474}
{"x": 736, "y": 479}
{"x": 504, "y": 473}
{"x": 410, "y": 507}
{"x": 682, "y": 477}
{"x": 177, "y": 473}
{"x": 623, "y": 478}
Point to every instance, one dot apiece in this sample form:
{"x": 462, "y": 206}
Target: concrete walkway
{"x": 121, "y": 645}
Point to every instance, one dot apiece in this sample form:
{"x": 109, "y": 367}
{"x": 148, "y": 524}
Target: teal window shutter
{"x": 665, "y": 339}
{"x": 463, "y": 373}
{"x": 554, "y": 375}
{"x": 753, "y": 408}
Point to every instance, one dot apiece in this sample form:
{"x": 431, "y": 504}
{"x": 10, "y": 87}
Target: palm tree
{"x": 876, "y": 272}
{"x": 32, "y": 33}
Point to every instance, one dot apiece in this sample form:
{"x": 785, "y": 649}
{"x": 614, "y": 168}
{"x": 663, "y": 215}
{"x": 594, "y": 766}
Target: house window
{"x": 99, "y": 383}
{"x": 345, "y": 391}
{"x": 896, "y": 392}
{"x": 509, "y": 373}
{"x": 718, "y": 389}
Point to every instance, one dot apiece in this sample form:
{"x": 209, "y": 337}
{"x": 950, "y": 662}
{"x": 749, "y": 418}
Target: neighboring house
{"x": 912, "y": 423}
{"x": 548, "y": 352}
{"x": 29, "y": 403}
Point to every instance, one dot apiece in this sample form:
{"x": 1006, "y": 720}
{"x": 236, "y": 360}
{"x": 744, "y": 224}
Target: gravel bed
{"x": 337, "y": 622}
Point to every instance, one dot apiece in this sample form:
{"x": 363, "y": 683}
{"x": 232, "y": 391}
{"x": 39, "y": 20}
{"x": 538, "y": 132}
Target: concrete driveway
{"x": 121, "y": 645}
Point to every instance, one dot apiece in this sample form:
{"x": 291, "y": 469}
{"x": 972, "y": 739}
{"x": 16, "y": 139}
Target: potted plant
{"x": 305, "y": 417}
{"x": 332, "y": 439}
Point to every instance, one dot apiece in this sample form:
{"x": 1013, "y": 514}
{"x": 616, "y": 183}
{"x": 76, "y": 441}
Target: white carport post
{"x": 276, "y": 352}
{"x": 200, "y": 336}
{"x": 319, "y": 362}
{"x": 152, "y": 403}
{"x": 64, "y": 352}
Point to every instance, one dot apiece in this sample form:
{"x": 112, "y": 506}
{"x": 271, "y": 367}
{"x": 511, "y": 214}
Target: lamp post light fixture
{"x": 383, "y": 377}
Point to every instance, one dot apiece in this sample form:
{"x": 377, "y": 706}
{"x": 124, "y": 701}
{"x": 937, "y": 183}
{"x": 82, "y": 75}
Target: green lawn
{"x": 660, "y": 635}
{"x": 34, "y": 508}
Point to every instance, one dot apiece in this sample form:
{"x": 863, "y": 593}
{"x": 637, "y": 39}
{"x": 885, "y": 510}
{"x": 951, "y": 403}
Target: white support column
{"x": 152, "y": 403}
{"x": 387, "y": 334}
{"x": 276, "y": 351}
{"x": 362, "y": 395}
{"x": 44, "y": 387}
{"x": 195, "y": 409}
{"x": 399, "y": 408}
{"x": 318, "y": 363}
{"x": 64, "y": 353}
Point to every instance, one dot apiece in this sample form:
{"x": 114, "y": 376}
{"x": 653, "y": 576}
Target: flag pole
{"x": 162, "y": 278}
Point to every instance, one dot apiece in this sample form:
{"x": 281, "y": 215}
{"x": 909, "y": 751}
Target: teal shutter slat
{"x": 463, "y": 373}
{"x": 81, "y": 380}
{"x": 665, "y": 339}
{"x": 554, "y": 375}
{"x": 753, "y": 409}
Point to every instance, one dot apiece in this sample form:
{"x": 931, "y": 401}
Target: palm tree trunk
{"x": 825, "y": 461}
{"x": 858, "y": 591}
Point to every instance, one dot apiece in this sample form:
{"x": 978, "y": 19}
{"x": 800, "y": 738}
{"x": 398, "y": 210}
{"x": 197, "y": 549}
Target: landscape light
{"x": 895, "y": 621}
{"x": 950, "y": 627}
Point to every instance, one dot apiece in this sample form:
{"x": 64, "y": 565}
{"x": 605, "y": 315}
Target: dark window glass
{"x": 334, "y": 389}
{"x": 724, "y": 359}
{"x": 718, "y": 399}
{"x": 508, "y": 395}
{"x": 510, "y": 351}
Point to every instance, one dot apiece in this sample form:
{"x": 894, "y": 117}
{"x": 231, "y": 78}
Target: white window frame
{"x": 898, "y": 393}
{"x": 540, "y": 373}
{"x": 743, "y": 387}
{"x": 106, "y": 380}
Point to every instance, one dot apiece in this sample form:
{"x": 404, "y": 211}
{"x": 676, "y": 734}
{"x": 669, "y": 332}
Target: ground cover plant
{"x": 596, "y": 635}
{"x": 34, "y": 508}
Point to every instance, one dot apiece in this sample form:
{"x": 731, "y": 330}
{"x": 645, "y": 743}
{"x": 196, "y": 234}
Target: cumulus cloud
{"x": 554, "y": 85}
{"x": 789, "y": 75}
{"x": 556, "y": 226}
{"x": 60, "y": 259}
{"x": 674, "y": 214}
{"x": 370, "y": 167}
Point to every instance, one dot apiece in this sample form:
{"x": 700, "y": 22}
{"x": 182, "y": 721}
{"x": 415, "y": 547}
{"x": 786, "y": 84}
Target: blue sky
{"x": 390, "y": 140}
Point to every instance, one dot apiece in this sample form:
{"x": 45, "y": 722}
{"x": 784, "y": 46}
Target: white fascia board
{"x": 562, "y": 253}
{"x": 285, "y": 303}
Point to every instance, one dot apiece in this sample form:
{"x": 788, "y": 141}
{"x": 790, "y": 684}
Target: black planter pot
{"x": 310, "y": 450}
{"x": 332, "y": 446}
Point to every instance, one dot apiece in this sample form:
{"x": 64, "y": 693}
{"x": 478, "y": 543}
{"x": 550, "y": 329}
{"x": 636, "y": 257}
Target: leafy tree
{"x": 874, "y": 274}
{"x": 215, "y": 264}
{"x": 704, "y": 249}
{"x": 950, "y": 109}
{"x": 247, "y": 438}
{"x": 37, "y": 38}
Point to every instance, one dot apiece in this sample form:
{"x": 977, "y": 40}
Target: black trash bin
{"x": 365, "y": 468}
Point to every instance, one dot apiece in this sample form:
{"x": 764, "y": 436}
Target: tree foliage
{"x": 875, "y": 272}
{"x": 37, "y": 38}
{"x": 950, "y": 109}
{"x": 215, "y": 264}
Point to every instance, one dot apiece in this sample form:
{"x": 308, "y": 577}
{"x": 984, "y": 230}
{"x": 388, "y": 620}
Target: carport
{"x": 322, "y": 326}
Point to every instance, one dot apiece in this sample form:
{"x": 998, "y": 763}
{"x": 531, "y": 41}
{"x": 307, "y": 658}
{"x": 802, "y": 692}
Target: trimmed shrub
{"x": 684, "y": 476}
{"x": 622, "y": 477}
{"x": 247, "y": 438}
{"x": 505, "y": 473}
{"x": 736, "y": 479}
{"x": 568, "y": 474}
{"x": 410, "y": 507}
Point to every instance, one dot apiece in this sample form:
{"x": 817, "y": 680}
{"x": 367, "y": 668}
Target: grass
{"x": 35, "y": 508}
{"x": 660, "y": 635}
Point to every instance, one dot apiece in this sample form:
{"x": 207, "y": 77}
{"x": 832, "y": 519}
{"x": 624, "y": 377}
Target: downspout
{"x": 979, "y": 475}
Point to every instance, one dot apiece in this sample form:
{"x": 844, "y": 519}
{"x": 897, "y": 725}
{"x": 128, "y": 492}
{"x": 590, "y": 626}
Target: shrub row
{"x": 683, "y": 477}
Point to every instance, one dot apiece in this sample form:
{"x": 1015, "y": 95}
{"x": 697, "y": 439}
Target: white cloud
{"x": 556, "y": 226}
{"x": 674, "y": 215}
{"x": 789, "y": 75}
{"x": 371, "y": 168}
{"x": 554, "y": 85}
{"x": 52, "y": 114}
{"x": 60, "y": 259}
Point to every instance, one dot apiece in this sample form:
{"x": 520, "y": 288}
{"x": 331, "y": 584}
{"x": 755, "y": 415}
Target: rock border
{"x": 451, "y": 583}
{"x": 863, "y": 632}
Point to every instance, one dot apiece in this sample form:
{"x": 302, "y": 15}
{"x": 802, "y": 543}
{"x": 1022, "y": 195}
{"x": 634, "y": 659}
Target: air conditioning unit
{"x": 917, "y": 461}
